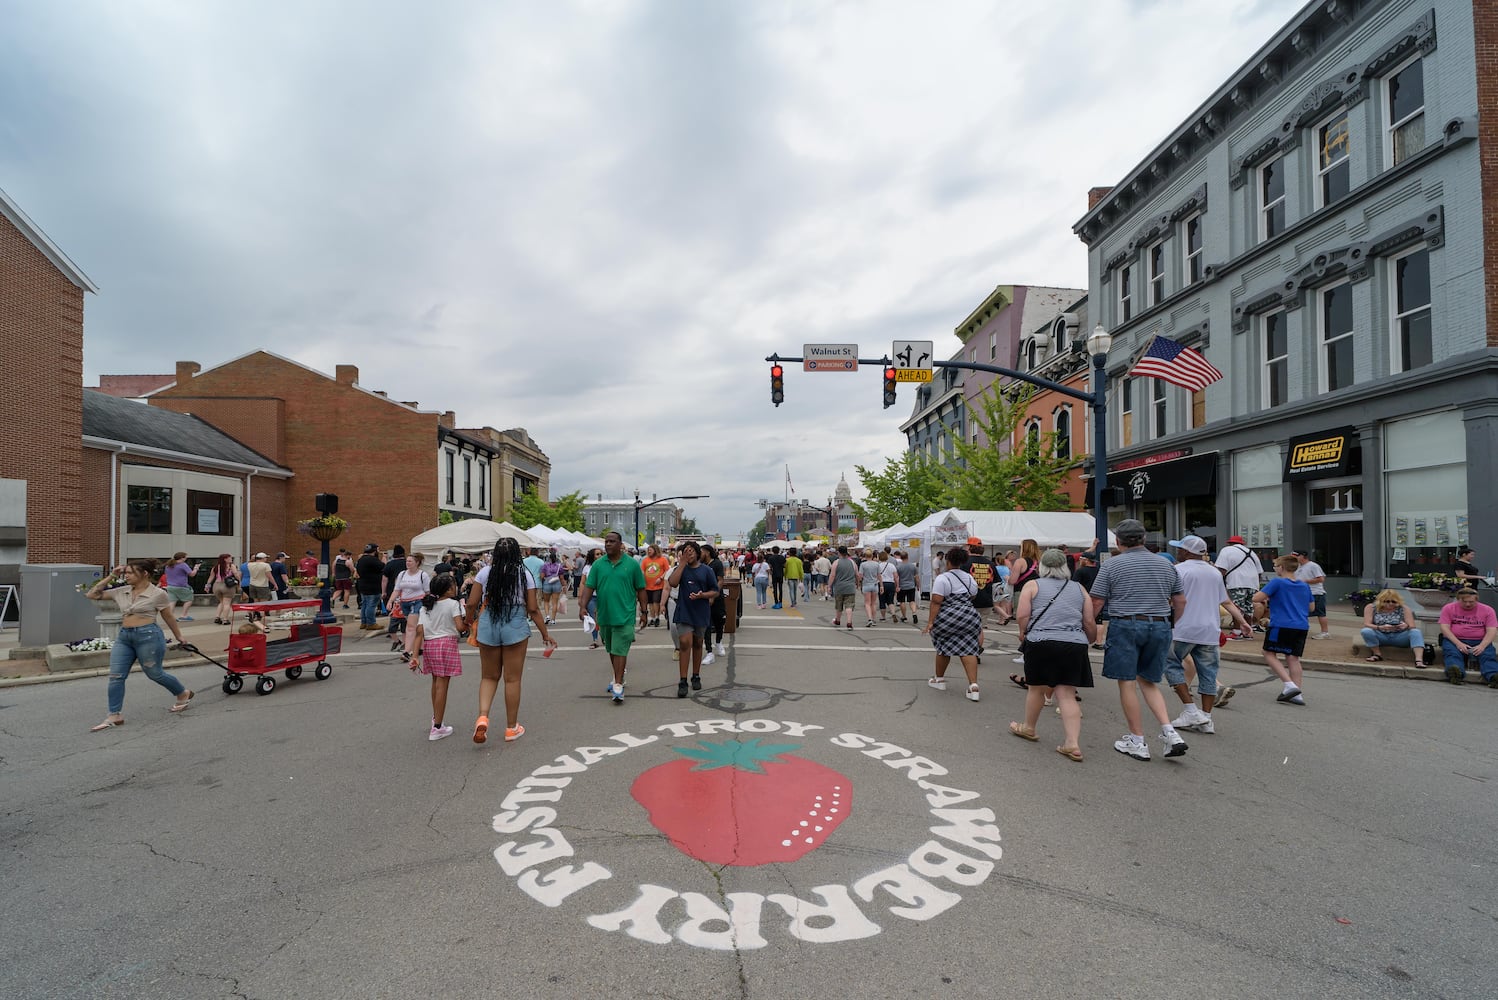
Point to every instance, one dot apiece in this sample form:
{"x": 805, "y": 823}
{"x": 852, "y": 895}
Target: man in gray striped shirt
{"x": 1144, "y": 598}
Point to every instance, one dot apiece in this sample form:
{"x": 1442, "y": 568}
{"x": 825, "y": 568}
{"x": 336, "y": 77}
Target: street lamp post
{"x": 639, "y": 506}
{"x": 1098, "y": 345}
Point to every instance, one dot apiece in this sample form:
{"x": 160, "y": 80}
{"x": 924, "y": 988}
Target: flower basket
{"x": 1433, "y": 600}
{"x": 324, "y": 528}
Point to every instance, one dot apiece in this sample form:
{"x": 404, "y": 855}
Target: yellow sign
{"x": 1327, "y": 451}
{"x": 912, "y": 374}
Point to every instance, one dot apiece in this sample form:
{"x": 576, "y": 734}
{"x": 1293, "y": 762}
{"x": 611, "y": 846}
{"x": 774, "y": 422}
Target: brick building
{"x": 1057, "y": 351}
{"x": 41, "y": 366}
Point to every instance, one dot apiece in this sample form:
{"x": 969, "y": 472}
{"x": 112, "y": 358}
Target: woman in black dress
{"x": 1056, "y": 625}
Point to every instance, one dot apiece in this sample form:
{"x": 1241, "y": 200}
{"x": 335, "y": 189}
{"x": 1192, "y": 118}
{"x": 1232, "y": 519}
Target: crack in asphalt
{"x": 168, "y": 857}
{"x": 443, "y": 804}
{"x": 738, "y": 954}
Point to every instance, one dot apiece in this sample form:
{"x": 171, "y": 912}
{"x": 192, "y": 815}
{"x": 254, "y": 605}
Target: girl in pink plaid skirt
{"x": 436, "y": 646}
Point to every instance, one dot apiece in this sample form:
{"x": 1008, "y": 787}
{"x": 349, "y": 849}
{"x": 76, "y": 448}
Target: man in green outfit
{"x": 620, "y": 585}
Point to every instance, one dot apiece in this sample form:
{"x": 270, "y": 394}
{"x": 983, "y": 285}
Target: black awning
{"x": 1322, "y": 456}
{"x": 1187, "y": 477}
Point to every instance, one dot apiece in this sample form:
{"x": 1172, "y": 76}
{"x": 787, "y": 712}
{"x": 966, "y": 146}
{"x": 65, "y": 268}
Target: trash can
{"x": 52, "y": 609}
{"x": 733, "y": 593}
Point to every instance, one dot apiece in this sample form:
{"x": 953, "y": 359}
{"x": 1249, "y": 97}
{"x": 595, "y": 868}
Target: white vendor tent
{"x": 999, "y": 529}
{"x": 470, "y": 535}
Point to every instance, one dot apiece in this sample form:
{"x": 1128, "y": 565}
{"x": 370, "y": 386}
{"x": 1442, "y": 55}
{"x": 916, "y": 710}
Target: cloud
{"x": 593, "y": 220}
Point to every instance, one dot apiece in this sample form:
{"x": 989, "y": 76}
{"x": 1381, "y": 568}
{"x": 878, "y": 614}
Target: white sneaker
{"x": 972, "y": 692}
{"x": 720, "y": 650}
{"x": 617, "y": 692}
{"x": 1322, "y": 635}
{"x": 1206, "y": 725}
{"x": 439, "y": 732}
{"x": 940, "y": 683}
{"x": 1171, "y": 742}
{"x": 1134, "y": 746}
{"x": 708, "y": 659}
{"x": 1190, "y": 718}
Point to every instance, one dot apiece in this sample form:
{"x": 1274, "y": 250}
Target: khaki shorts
{"x": 840, "y": 602}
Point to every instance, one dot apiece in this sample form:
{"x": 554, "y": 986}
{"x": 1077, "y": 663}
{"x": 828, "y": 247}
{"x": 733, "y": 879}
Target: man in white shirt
{"x": 1242, "y": 573}
{"x": 1312, "y": 573}
{"x": 1197, "y": 631}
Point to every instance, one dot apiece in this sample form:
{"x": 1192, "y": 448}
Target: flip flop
{"x": 1375, "y": 658}
{"x": 1071, "y": 753}
{"x": 107, "y": 724}
{"x": 1022, "y": 732}
{"x": 1020, "y": 681}
{"x": 182, "y": 706}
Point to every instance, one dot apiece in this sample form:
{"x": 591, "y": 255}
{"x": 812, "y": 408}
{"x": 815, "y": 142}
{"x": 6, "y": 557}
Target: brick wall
{"x": 1043, "y": 405}
{"x": 380, "y": 458}
{"x": 1485, "y": 24}
{"x": 41, "y": 367}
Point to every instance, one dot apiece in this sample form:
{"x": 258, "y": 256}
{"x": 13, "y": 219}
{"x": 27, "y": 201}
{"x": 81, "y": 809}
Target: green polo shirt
{"x": 615, "y": 585}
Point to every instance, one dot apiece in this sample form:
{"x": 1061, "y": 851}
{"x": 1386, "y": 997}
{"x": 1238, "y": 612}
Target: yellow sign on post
{"x": 912, "y": 374}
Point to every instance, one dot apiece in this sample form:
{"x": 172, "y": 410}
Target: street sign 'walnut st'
{"x": 829, "y": 357}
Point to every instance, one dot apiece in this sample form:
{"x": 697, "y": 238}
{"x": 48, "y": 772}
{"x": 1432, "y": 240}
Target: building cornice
{"x": 997, "y": 300}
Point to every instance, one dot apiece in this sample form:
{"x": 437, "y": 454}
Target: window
{"x": 1333, "y": 159}
{"x": 1191, "y": 246}
{"x": 1125, "y": 294}
{"x": 1276, "y": 346}
{"x": 1272, "y": 199}
{"x": 520, "y": 485}
{"x": 148, "y": 510}
{"x": 1199, "y": 408}
{"x": 1030, "y": 359}
{"x": 1412, "y": 310}
{"x": 467, "y": 481}
{"x": 1063, "y": 433}
{"x": 1032, "y": 441}
{"x": 483, "y": 483}
{"x": 1059, "y": 336}
{"x": 1126, "y": 408}
{"x": 1336, "y": 338}
{"x": 1156, "y": 257}
{"x": 451, "y": 459}
{"x": 210, "y": 513}
{"x": 1404, "y": 95}
{"x": 1157, "y": 408}
{"x": 993, "y": 345}
{"x": 941, "y": 444}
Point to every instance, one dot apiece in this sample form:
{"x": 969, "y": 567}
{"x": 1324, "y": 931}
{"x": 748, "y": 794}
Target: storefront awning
{"x": 1321, "y": 456}
{"x": 1187, "y": 477}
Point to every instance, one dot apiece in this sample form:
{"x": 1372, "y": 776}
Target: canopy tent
{"x": 469, "y": 535}
{"x": 997, "y": 529}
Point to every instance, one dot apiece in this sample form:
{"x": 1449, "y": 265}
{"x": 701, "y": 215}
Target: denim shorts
{"x": 1203, "y": 654}
{"x": 1136, "y": 650}
{"x": 551, "y": 586}
{"x": 514, "y": 627}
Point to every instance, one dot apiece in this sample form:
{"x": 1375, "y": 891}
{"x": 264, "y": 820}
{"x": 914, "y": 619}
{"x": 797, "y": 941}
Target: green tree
{"x": 445, "y": 517}
{"x": 756, "y": 534}
{"x": 530, "y": 510}
{"x": 907, "y": 489}
{"x": 999, "y": 476}
{"x": 689, "y": 526}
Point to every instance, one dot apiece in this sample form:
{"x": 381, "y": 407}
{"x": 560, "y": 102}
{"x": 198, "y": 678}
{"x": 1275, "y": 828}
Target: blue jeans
{"x": 146, "y": 644}
{"x": 795, "y": 589}
{"x": 1203, "y": 654}
{"x": 369, "y": 604}
{"x": 1487, "y": 660}
{"x": 760, "y": 586}
{"x": 1408, "y": 639}
{"x": 1136, "y": 650}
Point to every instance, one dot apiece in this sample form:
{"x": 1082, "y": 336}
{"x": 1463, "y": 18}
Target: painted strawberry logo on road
{"x": 744, "y": 803}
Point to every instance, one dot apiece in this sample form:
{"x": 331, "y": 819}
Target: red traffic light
{"x": 889, "y": 374}
{"x": 776, "y": 371}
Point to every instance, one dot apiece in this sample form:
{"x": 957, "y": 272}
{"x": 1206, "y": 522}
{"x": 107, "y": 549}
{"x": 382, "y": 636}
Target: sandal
{"x": 1071, "y": 753}
{"x": 1375, "y": 658}
{"x": 972, "y": 692}
{"x": 940, "y": 683}
{"x": 1020, "y": 681}
{"x": 481, "y": 729}
{"x": 182, "y": 706}
{"x": 1023, "y": 732}
{"x": 107, "y": 724}
{"x": 592, "y": 645}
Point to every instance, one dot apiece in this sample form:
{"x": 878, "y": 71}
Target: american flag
{"x": 1177, "y": 364}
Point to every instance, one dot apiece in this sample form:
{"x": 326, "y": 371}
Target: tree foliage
{"x": 1000, "y": 475}
{"x": 689, "y": 526}
{"x": 529, "y": 510}
{"x": 905, "y": 490}
{"x": 756, "y": 534}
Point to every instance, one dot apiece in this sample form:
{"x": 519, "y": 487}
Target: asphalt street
{"x": 314, "y": 843}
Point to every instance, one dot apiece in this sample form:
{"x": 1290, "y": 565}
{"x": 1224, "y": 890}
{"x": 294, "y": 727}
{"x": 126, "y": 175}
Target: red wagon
{"x": 259, "y": 654}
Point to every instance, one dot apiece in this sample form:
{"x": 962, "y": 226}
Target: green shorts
{"x": 617, "y": 638}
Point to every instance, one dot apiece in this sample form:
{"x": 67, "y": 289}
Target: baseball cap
{"x": 1192, "y": 544}
{"x": 371, "y": 547}
{"x": 1300, "y": 552}
{"x": 975, "y": 540}
{"x": 1129, "y": 528}
{"x": 259, "y": 555}
{"x": 1235, "y": 540}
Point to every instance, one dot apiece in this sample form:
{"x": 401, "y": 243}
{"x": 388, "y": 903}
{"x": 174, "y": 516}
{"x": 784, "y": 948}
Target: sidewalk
{"x": 57, "y": 662}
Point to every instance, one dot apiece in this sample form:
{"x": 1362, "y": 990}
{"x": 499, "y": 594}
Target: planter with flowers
{"x": 1360, "y": 599}
{"x": 306, "y": 587}
{"x": 324, "y": 527}
{"x": 1433, "y": 591}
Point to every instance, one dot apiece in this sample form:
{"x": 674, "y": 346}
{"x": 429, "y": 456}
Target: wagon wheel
{"x": 292, "y": 673}
{"x": 323, "y": 671}
{"x": 265, "y": 685}
{"x": 233, "y": 683}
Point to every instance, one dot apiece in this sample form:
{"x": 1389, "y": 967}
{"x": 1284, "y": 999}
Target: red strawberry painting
{"x": 744, "y": 803}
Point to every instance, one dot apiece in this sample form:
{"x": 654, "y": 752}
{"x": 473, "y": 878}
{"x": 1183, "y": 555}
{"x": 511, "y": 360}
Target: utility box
{"x": 52, "y": 609}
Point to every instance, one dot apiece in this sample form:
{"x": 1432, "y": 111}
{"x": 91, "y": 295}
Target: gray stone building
{"x": 1318, "y": 229}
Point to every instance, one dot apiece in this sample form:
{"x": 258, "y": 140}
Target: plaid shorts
{"x": 439, "y": 657}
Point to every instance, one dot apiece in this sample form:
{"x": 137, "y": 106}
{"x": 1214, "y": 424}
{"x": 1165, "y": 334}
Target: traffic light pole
{"x": 1097, "y": 400}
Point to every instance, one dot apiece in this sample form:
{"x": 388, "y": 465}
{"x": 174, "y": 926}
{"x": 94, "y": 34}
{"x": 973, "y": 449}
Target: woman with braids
{"x": 140, "y": 637}
{"x": 502, "y": 599}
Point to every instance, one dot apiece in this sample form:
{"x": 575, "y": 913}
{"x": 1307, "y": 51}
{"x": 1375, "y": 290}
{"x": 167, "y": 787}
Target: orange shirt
{"x": 656, "y": 570}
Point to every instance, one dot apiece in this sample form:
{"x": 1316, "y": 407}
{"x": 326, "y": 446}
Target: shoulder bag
{"x": 1036, "y": 620}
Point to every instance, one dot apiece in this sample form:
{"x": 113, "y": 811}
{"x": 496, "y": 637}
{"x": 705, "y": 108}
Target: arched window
{"x": 1059, "y": 336}
{"x": 1030, "y": 355}
{"x": 1063, "y": 433}
{"x": 1032, "y": 441}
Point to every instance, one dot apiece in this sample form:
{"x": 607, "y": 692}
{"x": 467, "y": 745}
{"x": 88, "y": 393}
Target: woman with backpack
{"x": 223, "y": 583}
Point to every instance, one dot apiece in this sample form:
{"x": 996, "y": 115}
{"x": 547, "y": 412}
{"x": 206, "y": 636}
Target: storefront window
{"x": 1258, "y": 499}
{"x": 1425, "y": 492}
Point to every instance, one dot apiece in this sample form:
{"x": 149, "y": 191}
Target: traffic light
{"x": 889, "y": 386}
{"x": 777, "y": 384}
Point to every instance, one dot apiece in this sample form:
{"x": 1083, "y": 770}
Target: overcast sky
{"x": 590, "y": 219}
